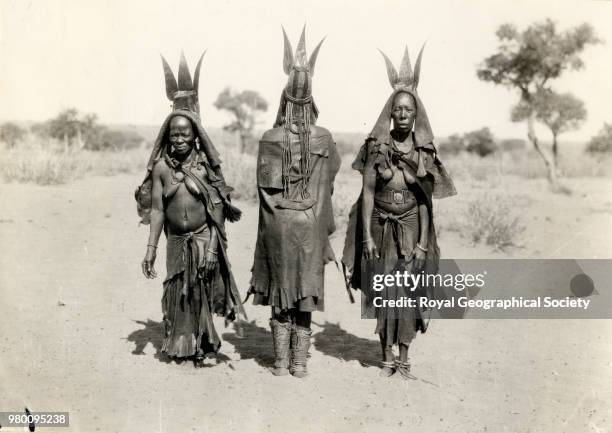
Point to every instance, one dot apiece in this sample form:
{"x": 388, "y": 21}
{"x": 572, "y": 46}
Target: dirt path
{"x": 80, "y": 332}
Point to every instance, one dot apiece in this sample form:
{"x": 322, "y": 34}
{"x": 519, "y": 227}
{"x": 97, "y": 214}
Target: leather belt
{"x": 395, "y": 196}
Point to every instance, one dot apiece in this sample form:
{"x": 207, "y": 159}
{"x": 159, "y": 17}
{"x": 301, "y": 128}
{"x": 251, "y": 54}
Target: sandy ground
{"x": 80, "y": 331}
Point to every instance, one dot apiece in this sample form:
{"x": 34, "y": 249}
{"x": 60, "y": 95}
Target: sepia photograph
{"x": 306, "y": 216}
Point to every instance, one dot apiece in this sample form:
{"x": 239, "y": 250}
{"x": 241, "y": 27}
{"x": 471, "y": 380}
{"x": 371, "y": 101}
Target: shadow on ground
{"x": 153, "y": 332}
{"x": 252, "y": 342}
{"x": 335, "y": 341}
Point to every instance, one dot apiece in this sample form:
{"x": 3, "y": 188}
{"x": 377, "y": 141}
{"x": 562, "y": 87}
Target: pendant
{"x": 177, "y": 176}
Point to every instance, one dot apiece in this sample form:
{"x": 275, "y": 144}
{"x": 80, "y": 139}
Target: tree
{"x": 244, "y": 106}
{"x": 480, "y": 142}
{"x": 602, "y": 142}
{"x": 11, "y": 133}
{"x": 559, "y": 112}
{"x": 69, "y": 127}
{"x": 65, "y": 127}
{"x": 527, "y": 61}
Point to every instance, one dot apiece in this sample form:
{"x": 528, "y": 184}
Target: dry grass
{"x": 47, "y": 163}
{"x": 477, "y": 214}
{"x": 573, "y": 163}
{"x": 239, "y": 171}
{"x": 484, "y": 217}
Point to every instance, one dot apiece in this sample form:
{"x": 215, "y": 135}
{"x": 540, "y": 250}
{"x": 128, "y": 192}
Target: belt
{"x": 395, "y": 196}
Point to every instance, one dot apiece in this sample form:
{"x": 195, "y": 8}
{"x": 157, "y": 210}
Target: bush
{"x": 11, "y": 133}
{"x": 480, "y": 142}
{"x": 453, "y": 145}
{"x": 602, "y": 142}
{"x": 114, "y": 139}
{"x": 492, "y": 220}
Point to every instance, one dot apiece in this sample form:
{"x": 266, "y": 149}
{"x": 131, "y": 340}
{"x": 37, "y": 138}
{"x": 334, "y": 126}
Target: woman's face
{"x": 403, "y": 112}
{"x": 181, "y": 135}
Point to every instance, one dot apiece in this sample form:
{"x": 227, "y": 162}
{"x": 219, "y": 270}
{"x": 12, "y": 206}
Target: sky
{"x": 103, "y": 57}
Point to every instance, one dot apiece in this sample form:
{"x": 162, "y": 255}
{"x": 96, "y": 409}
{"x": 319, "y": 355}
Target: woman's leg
{"x": 300, "y": 343}
{"x": 388, "y": 366}
{"x": 280, "y": 324}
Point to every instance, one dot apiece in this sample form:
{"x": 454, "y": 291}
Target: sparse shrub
{"x": 11, "y": 133}
{"x": 492, "y": 220}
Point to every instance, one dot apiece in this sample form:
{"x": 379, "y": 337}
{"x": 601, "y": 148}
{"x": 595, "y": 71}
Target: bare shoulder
{"x": 160, "y": 167}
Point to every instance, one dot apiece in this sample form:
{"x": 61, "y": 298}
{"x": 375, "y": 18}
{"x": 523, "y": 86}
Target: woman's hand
{"x": 418, "y": 260}
{"x": 147, "y": 264}
{"x": 210, "y": 263}
{"x": 369, "y": 249}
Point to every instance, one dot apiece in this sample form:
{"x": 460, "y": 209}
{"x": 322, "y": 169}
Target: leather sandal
{"x": 404, "y": 370}
{"x": 387, "y": 369}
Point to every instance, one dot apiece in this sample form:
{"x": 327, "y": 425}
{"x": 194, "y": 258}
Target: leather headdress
{"x": 297, "y": 97}
{"x": 184, "y": 96}
{"x": 184, "y": 92}
{"x": 406, "y": 81}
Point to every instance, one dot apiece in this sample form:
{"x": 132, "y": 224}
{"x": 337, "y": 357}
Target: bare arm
{"x": 423, "y": 224}
{"x": 157, "y": 223}
{"x": 420, "y": 250}
{"x": 367, "y": 205}
{"x": 212, "y": 253}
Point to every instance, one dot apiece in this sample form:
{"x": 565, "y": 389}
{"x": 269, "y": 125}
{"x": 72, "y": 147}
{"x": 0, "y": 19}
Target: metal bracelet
{"x": 421, "y": 248}
{"x": 212, "y": 252}
{"x": 150, "y": 245}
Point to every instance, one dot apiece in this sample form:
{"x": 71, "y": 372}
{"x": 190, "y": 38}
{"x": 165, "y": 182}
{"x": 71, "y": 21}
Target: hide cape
{"x": 293, "y": 234}
{"x": 430, "y": 176}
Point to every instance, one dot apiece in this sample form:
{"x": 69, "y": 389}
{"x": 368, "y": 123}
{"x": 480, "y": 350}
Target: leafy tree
{"x": 559, "y": 112}
{"x": 65, "y": 126}
{"x": 73, "y": 129}
{"x": 244, "y": 107}
{"x": 527, "y": 61}
{"x": 480, "y": 142}
{"x": 602, "y": 142}
{"x": 11, "y": 133}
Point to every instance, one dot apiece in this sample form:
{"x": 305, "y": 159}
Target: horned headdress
{"x": 297, "y": 110}
{"x": 184, "y": 92}
{"x": 407, "y": 81}
{"x": 406, "y": 78}
{"x": 184, "y": 96}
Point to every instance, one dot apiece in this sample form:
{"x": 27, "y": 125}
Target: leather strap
{"x": 395, "y": 196}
